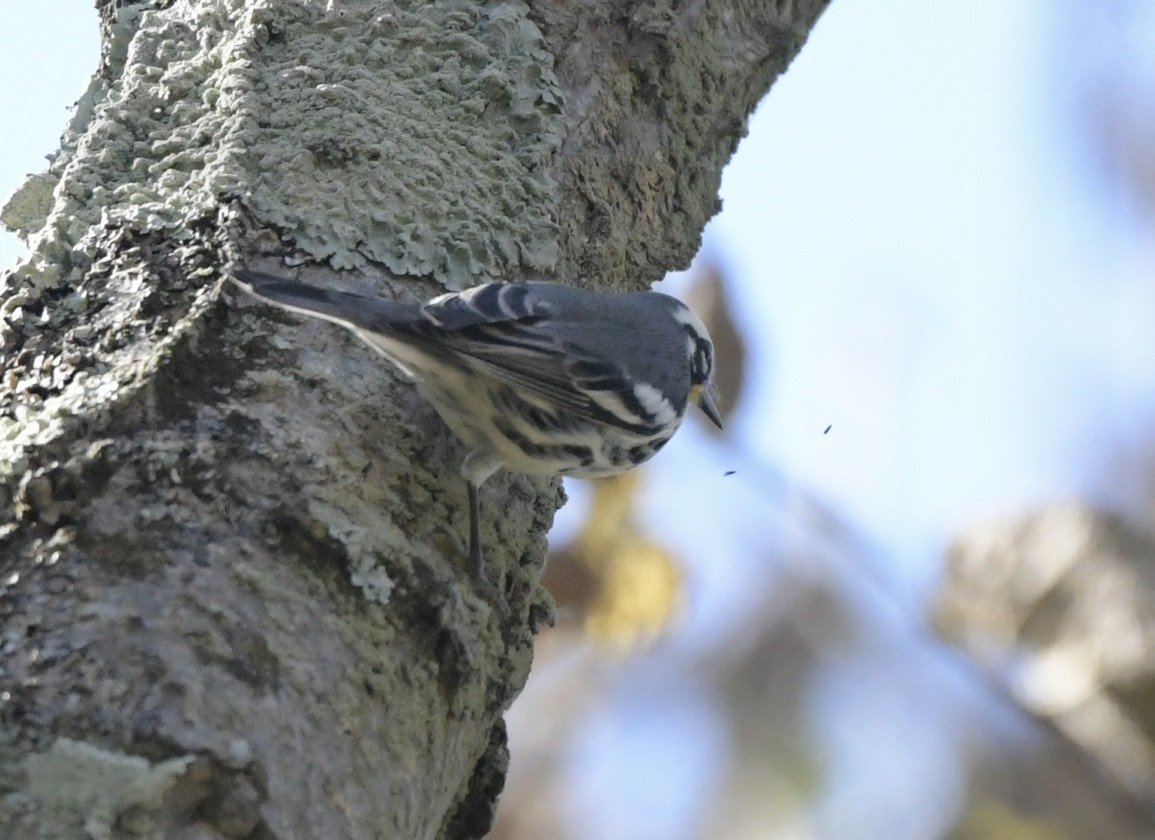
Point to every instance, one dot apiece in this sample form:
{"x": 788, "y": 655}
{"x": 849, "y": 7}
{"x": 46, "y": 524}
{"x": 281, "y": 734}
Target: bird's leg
{"x": 475, "y": 554}
{"x": 477, "y": 467}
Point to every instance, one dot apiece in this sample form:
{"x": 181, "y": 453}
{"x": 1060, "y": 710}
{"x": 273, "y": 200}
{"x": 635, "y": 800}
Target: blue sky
{"x": 50, "y": 49}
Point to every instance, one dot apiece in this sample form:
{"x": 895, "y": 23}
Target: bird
{"x": 533, "y": 376}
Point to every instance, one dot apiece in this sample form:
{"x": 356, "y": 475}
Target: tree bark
{"x": 233, "y": 588}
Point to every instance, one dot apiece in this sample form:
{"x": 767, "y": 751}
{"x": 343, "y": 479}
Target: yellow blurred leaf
{"x": 640, "y": 588}
{"x": 992, "y": 820}
{"x": 624, "y": 584}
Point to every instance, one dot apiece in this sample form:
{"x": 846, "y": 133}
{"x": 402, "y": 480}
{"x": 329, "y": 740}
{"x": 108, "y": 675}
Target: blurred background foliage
{"x": 910, "y": 591}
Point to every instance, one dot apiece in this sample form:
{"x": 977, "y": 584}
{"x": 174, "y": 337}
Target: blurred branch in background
{"x": 1059, "y": 607}
{"x": 709, "y": 296}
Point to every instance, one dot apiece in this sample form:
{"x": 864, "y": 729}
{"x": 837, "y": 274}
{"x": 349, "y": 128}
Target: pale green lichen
{"x": 76, "y": 783}
{"x": 420, "y": 139}
{"x": 28, "y": 207}
{"x": 363, "y": 546}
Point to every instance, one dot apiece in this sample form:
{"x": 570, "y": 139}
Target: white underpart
{"x": 399, "y": 353}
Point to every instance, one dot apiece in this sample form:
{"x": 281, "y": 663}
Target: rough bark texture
{"x": 232, "y": 588}
{"x": 1060, "y": 606}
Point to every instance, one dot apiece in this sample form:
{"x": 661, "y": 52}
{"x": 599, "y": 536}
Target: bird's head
{"x": 700, "y": 350}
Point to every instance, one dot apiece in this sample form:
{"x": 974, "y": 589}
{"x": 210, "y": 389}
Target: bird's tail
{"x": 344, "y": 308}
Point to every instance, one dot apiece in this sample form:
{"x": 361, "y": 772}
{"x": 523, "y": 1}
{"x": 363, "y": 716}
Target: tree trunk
{"x": 233, "y": 583}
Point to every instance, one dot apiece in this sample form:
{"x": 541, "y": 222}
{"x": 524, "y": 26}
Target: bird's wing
{"x": 504, "y": 332}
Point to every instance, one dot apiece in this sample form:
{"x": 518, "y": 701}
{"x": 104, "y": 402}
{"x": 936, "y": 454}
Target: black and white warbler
{"x": 534, "y": 377}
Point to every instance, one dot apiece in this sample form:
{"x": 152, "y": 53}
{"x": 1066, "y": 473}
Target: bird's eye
{"x": 701, "y": 354}
{"x": 703, "y": 361}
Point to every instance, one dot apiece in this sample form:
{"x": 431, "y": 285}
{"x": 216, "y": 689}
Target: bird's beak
{"x": 705, "y": 398}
